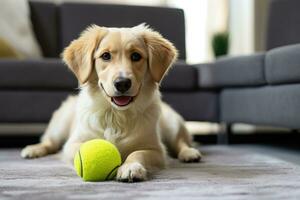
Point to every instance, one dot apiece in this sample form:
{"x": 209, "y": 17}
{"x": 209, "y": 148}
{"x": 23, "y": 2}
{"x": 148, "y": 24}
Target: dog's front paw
{"x": 34, "y": 151}
{"x": 131, "y": 172}
{"x": 189, "y": 155}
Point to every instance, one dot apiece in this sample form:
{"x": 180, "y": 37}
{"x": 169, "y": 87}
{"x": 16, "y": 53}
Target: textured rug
{"x": 225, "y": 173}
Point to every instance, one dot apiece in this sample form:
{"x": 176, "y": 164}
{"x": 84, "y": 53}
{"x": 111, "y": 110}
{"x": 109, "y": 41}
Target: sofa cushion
{"x": 283, "y": 65}
{"x": 29, "y": 106}
{"x": 237, "y": 71}
{"x": 75, "y": 17}
{"x": 36, "y": 74}
{"x": 180, "y": 77}
{"x": 44, "y": 17}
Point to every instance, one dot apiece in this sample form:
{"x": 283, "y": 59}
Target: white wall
{"x": 196, "y": 22}
{"x": 217, "y": 21}
{"x": 203, "y": 19}
{"x": 241, "y": 27}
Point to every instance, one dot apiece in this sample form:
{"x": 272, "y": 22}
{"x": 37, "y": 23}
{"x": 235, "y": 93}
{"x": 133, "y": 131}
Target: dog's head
{"x": 119, "y": 60}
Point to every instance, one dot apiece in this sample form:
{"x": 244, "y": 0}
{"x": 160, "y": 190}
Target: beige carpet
{"x": 225, "y": 173}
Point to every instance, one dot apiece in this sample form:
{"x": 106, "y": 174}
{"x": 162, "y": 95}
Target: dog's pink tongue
{"x": 122, "y": 100}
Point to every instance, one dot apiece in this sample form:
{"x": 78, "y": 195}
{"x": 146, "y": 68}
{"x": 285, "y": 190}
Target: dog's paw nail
{"x": 189, "y": 155}
{"x": 131, "y": 172}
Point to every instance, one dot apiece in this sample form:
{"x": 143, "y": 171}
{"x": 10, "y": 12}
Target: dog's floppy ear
{"x": 162, "y": 53}
{"x": 79, "y": 55}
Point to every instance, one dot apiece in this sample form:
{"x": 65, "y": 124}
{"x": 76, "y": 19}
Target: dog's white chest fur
{"x": 111, "y": 134}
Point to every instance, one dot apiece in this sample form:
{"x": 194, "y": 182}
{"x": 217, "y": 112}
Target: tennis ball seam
{"x": 112, "y": 171}
{"x": 81, "y": 167}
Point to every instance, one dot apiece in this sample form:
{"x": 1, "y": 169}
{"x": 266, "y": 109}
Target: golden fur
{"x": 137, "y": 128}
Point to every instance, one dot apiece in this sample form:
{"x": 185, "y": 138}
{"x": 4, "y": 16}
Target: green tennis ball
{"x": 97, "y": 160}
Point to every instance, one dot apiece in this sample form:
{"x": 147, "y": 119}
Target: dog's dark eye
{"x": 135, "y": 57}
{"x": 106, "y": 56}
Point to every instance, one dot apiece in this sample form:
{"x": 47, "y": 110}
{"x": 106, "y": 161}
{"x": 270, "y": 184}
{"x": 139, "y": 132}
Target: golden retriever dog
{"x": 119, "y": 71}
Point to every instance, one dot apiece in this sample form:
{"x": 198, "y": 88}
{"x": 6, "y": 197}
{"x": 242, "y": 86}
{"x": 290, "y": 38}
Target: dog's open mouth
{"x": 122, "y": 100}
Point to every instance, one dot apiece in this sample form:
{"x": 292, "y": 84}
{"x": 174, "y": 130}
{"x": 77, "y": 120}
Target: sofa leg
{"x": 223, "y": 135}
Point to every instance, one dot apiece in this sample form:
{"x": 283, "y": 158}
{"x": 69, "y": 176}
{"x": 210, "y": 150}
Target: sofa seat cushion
{"x": 36, "y": 74}
{"x": 283, "y": 65}
{"x": 181, "y": 77}
{"x": 237, "y": 71}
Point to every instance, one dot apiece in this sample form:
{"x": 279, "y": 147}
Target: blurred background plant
{"x": 220, "y": 44}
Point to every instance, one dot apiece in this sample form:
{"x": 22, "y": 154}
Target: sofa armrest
{"x": 206, "y": 77}
{"x": 181, "y": 77}
{"x": 236, "y": 71}
{"x": 283, "y": 65}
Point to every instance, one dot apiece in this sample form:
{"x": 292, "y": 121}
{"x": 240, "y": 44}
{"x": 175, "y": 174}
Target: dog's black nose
{"x": 122, "y": 84}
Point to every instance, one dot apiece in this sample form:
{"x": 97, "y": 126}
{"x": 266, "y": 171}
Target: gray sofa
{"x": 30, "y": 90}
{"x": 263, "y": 88}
